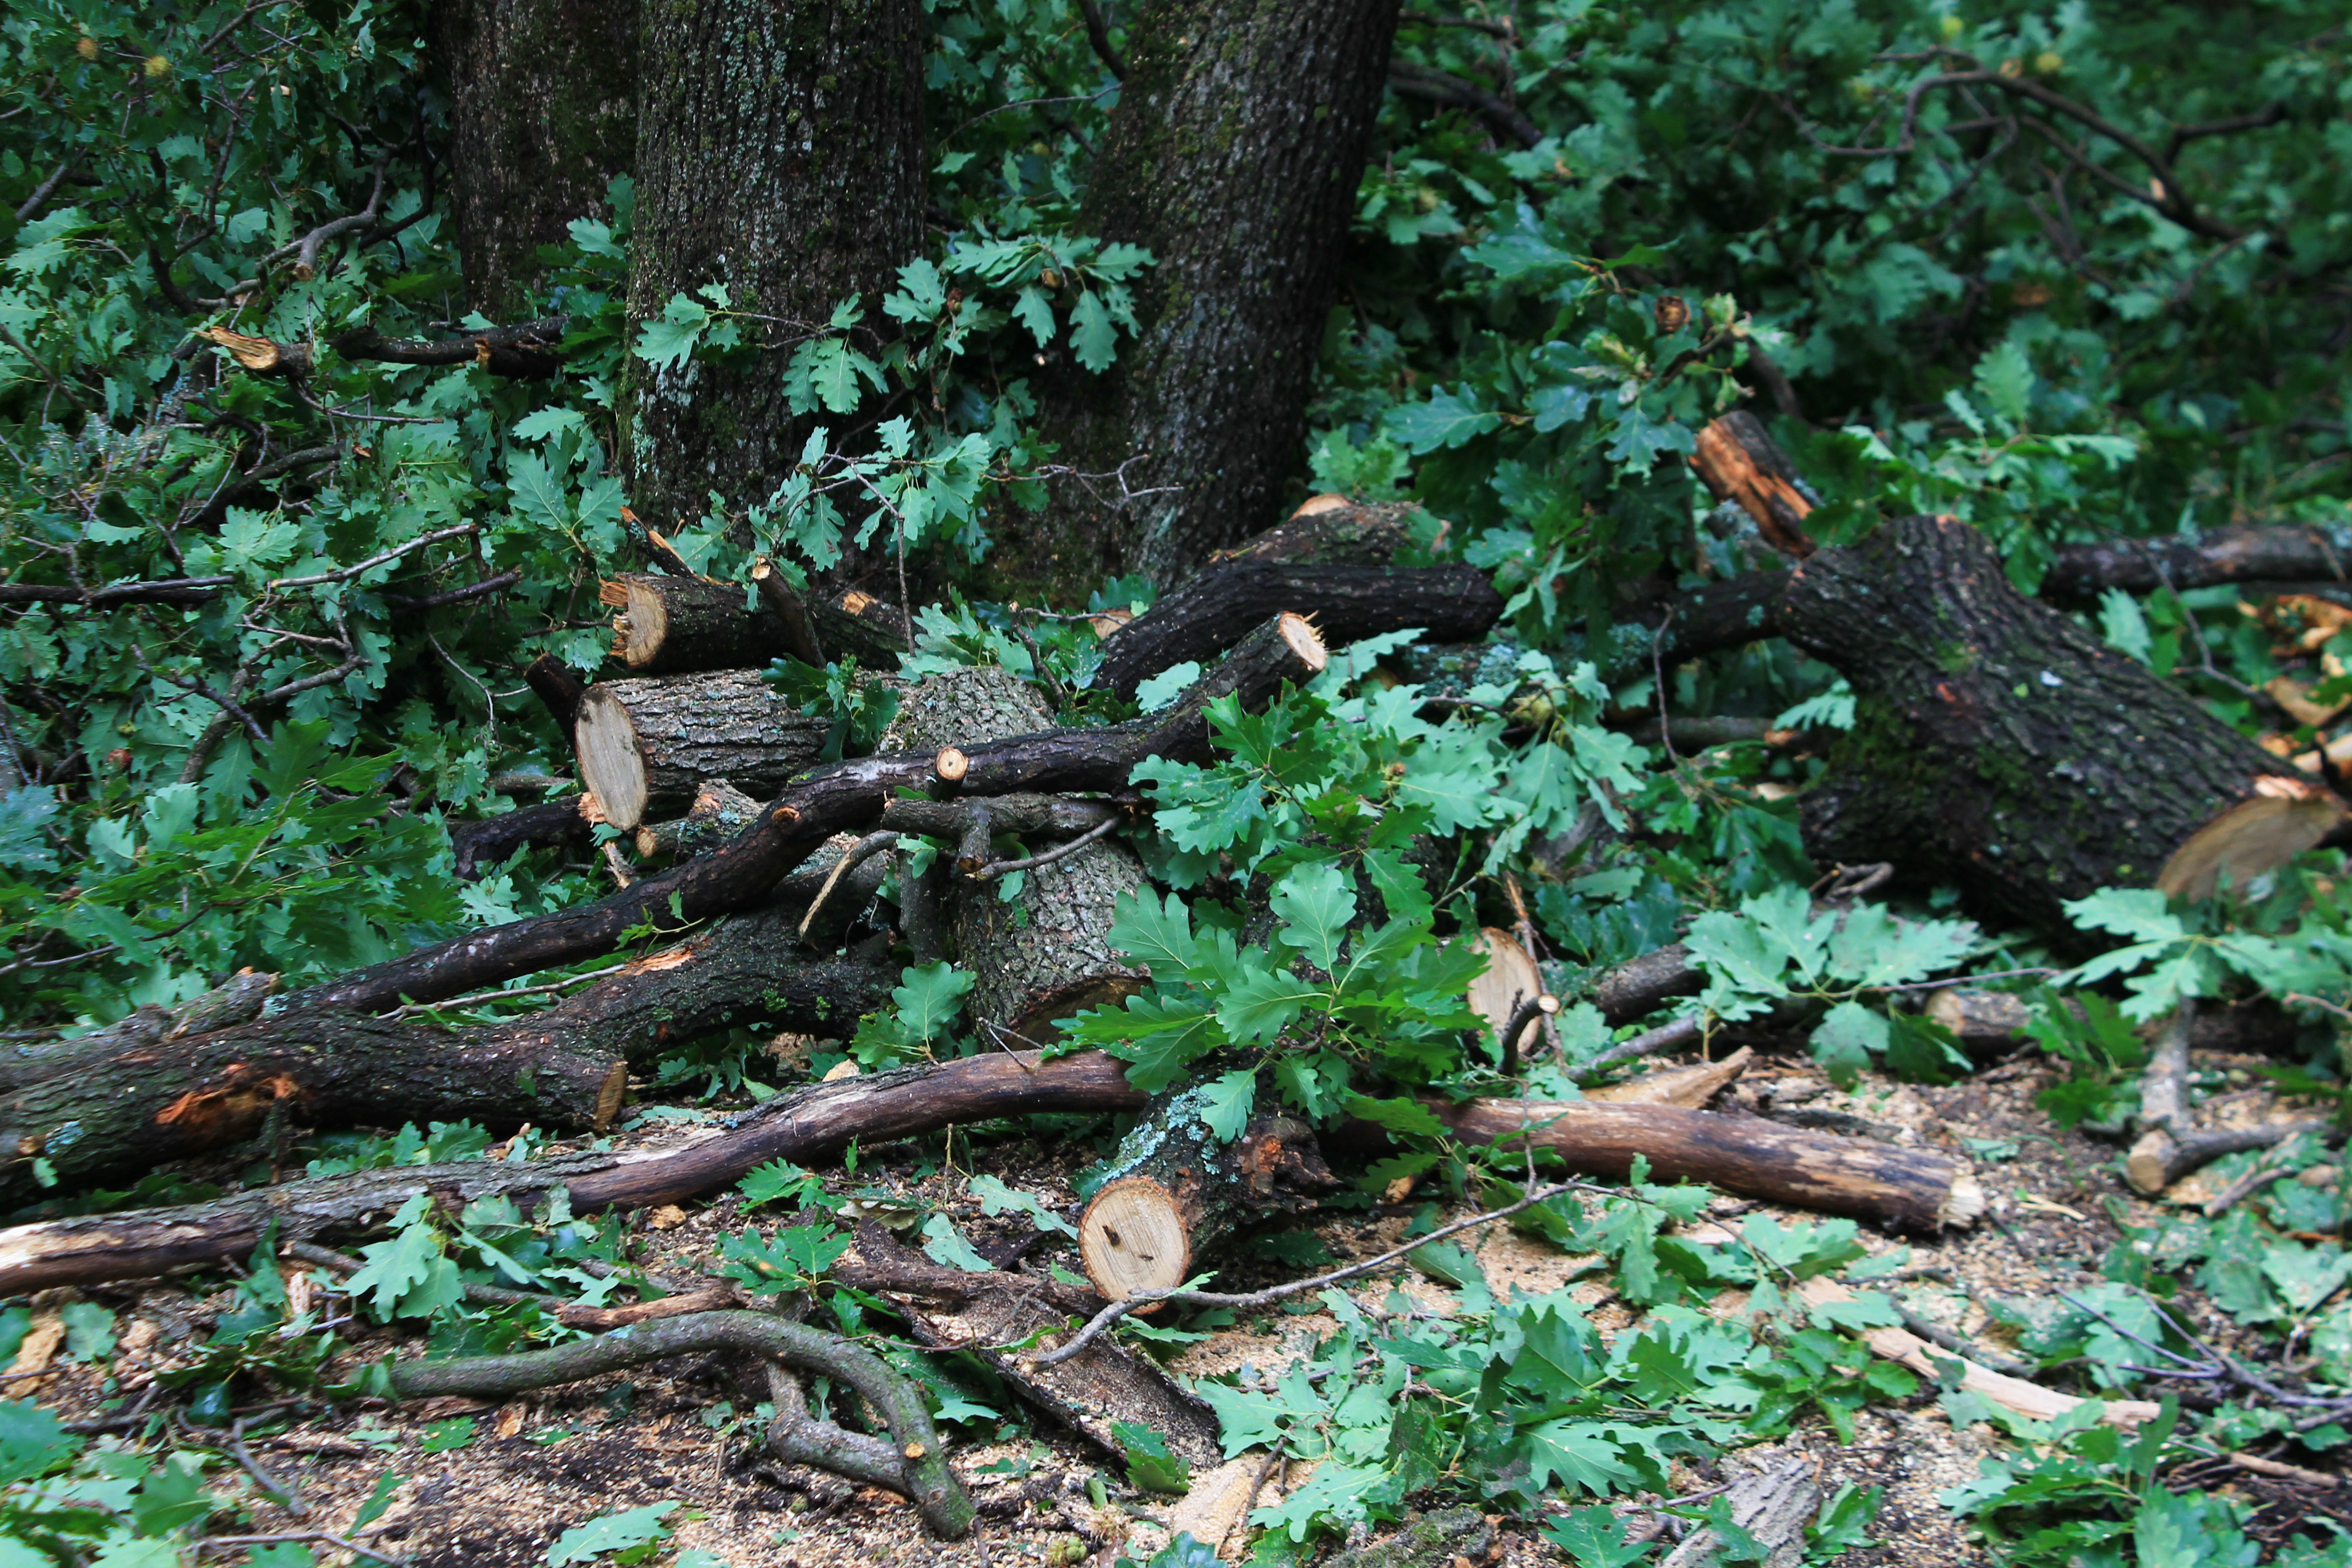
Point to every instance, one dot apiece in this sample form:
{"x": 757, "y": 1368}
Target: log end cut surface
{"x": 611, "y": 765}
{"x": 2279, "y": 821}
{"x": 1132, "y": 1238}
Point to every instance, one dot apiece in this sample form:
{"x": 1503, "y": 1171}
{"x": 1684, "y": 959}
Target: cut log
{"x": 669, "y": 625}
{"x": 1640, "y": 986}
{"x": 646, "y": 747}
{"x": 844, "y": 797}
{"x": 2242, "y": 553}
{"x": 874, "y": 631}
{"x": 1741, "y": 464}
{"x": 142, "y": 1101}
{"x": 1329, "y": 530}
{"x": 1091, "y": 1393}
{"x": 2000, "y": 747}
{"x": 1172, "y": 1192}
{"x": 1914, "y": 1189}
{"x": 720, "y": 812}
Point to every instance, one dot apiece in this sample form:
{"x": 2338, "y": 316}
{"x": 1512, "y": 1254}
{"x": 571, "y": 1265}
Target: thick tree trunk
{"x": 781, "y": 154}
{"x": 646, "y": 747}
{"x": 2000, "y": 747}
{"x": 1044, "y": 952}
{"x": 1233, "y": 156}
{"x": 543, "y": 113}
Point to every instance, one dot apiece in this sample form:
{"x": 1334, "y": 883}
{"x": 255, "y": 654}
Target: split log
{"x": 1091, "y": 1393}
{"x": 1741, "y": 464}
{"x": 1172, "y": 1192}
{"x": 672, "y": 625}
{"x": 142, "y": 1101}
{"x": 720, "y": 812}
{"x": 844, "y": 797}
{"x": 1999, "y": 746}
{"x": 1043, "y": 954}
{"x": 647, "y": 746}
{"x": 483, "y": 845}
{"x": 1691, "y": 1087}
{"x": 1914, "y": 1189}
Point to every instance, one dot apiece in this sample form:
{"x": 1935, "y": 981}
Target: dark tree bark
{"x": 543, "y": 113}
{"x": 646, "y": 747}
{"x": 1232, "y": 157}
{"x": 781, "y": 153}
{"x": 1998, "y": 745}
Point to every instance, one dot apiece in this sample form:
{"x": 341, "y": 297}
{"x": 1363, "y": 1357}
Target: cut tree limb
{"x": 485, "y": 844}
{"x": 720, "y": 812}
{"x": 668, "y": 625}
{"x": 528, "y": 351}
{"x": 1173, "y": 1191}
{"x": 1742, "y": 463}
{"x": 647, "y": 746}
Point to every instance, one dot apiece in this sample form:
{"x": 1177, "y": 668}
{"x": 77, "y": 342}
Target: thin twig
{"x": 996, "y": 868}
{"x": 1102, "y": 1320}
{"x": 287, "y": 1498}
{"x": 479, "y": 997}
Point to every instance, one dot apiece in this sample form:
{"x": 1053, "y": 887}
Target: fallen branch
{"x": 525, "y": 352}
{"x": 920, "y": 1471}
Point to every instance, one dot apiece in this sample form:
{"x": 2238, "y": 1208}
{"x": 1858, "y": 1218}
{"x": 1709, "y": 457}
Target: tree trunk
{"x": 1233, "y": 156}
{"x": 646, "y": 747}
{"x": 1999, "y": 746}
{"x": 1045, "y": 953}
{"x": 781, "y": 154}
{"x": 543, "y": 113}
{"x": 1172, "y": 1192}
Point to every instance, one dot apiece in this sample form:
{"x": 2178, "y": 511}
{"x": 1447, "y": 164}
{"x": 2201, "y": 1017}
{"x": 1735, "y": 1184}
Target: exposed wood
{"x": 2153, "y": 1160}
{"x": 2030, "y": 1400}
{"x": 260, "y": 356}
{"x": 485, "y": 844}
{"x": 844, "y": 798}
{"x": 669, "y": 625}
{"x": 646, "y": 746}
{"x": 1916, "y": 1189}
{"x": 1690, "y": 1086}
{"x": 1172, "y": 1192}
{"x": 1509, "y": 979}
{"x": 718, "y": 813}
{"x": 874, "y": 631}
{"x": 1742, "y": 463}
{"x": 1091, "y": 1393}
{"x": 2280, "y": 820}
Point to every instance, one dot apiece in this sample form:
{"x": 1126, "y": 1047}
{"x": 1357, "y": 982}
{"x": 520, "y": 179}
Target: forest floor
{"x": 492, "y": 1486}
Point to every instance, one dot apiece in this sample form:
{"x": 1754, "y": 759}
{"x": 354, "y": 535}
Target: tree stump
{"x": 645, "y": 747}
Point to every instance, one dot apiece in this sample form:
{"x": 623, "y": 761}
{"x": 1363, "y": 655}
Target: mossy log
{"x": 666, "y": 626}
{"x": 646, "y": 747}
{"x": 1173, "y": 1191}
{"x": 1999, "y": 746}
{"x": 1043, "y": 953}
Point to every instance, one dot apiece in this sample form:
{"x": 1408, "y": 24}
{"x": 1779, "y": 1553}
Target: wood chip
{"x": 40, "y": 1344}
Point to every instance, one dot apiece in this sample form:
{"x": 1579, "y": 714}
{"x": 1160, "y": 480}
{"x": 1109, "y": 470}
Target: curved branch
{"x": 925, "y": 1477}
{"x": 1409, "y": 80}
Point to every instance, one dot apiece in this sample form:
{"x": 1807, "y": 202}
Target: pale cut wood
{"x": 2280, "y": 820}
{"x": 1773, "y": 1506}
{"x": 1133, "y": 1238}
{"x": 2015, "y": 1393}
{"x": 1690, "y": 1086}
{"x": 1509, "y": 978}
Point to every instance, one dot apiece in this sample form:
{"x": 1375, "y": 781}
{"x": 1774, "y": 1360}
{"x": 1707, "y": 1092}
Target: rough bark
{"x": 1218, "y": 606}
{"x": 1999, "y": 746}
{"x": 1990, "y": 1020}
{"x": 846, "y": 797}
{"x": 720, "y": 812}
{"x": 667, "y": 624}
{"x": 1172, "y": 1191}
{"x": 138, "y": 1100}
{"x": 1916, "y": 1189}
{"x": 1233, "y": 156}
{"x": 873, "y": 631}
{"x": 2245, "y": 554}
{"x": 1092, "y": 1392}
{"x": 528, "y": 351}
{"x": 1043, "y": 953}
{"x": 781, "y": 154}
{"x": 543, "y": 113}
{"x": 647, "y": 746}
